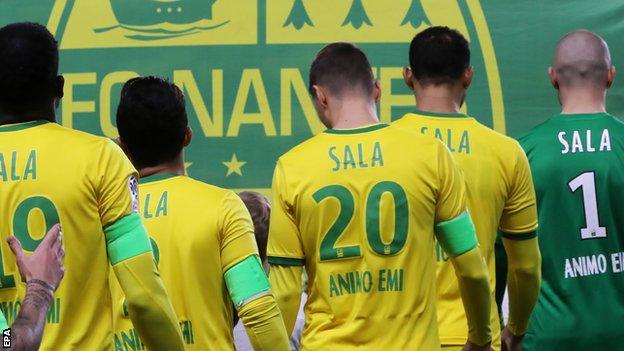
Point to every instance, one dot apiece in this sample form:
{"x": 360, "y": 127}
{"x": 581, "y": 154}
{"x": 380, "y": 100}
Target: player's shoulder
{"x": 75, "y": 136}
{"x": 539, "y": 133}
{"x": 201, "y": 190}
{"x": 497, "y": 140}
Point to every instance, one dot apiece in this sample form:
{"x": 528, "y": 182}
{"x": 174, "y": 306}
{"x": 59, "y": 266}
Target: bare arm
{"x": 42, "y": 271}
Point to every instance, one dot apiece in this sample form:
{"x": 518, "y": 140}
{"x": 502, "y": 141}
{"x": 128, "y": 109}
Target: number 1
{"x": 587, "y": 182}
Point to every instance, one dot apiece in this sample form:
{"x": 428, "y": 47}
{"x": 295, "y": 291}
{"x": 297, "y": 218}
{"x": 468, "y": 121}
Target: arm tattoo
{"x": 28, "y": 326}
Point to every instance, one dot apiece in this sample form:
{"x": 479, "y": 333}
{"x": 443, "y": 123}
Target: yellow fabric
{"x": 452, "y": 348}
{"x": 86, "y": 178}
{"x": 523, "y": 281}
{"x": 264, "y": 325}
{"x": 472, "y": 276}
{"x": 148, "y": 304}
{"x": 405, "y": 310}
{"x": 286, "y": 282}
{"x": 500, "y": 196}
{"x": 198, "y": 232}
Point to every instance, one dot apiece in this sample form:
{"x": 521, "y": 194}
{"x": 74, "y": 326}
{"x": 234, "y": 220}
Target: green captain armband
{"x": 126, "y": 238}
{"x": 246, "y": 281}
{"x": 457, "y": 236}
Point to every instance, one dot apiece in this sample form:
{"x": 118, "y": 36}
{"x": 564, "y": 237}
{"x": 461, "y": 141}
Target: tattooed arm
{"x": 42, "y": 271}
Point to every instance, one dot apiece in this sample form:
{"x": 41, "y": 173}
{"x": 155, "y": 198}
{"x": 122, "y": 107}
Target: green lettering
{"x": 361, "y": 161}
{"x": 14, "y": 175}
{"x": 382, "y": 280}
{"x": 393, "y": 280}
{"x": 424, "y": 130}
{"x": 438, "y": 134}
{"x": 348, "y": 158}
{"x": 464, "y": 144}
{"x": 367, "y": 281}
{"x": 117, "y": 342}
{"x": 3, "y": 168}
{"x": 129, "y": 341}
{"x": 449, "y": 140}
{"x": 358, "y": 282}
{"x": 343, "y": 283}
{"x": 377, "y": 155}
{"x": 333, "y": 289}
{"x": 146, "y": 213}
{"x": 161, "y": 209}
{"x": 31, "y": 166}
{"x": 334, "y": 158}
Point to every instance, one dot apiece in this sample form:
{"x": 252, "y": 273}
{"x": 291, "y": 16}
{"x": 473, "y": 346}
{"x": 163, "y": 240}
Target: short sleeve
{"x": 520, "y": 212}
{"x": 237, "y": 232}
{"x": 284, "y": 245}
{"x": 451, "y": 201}
{"x": 116, "y": 184}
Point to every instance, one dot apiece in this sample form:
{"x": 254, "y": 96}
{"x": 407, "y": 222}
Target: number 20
{"x": 328, "y": 251}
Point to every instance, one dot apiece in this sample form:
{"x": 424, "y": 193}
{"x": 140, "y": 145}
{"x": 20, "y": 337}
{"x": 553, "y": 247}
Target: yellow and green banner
{"x": 243, "y": 64}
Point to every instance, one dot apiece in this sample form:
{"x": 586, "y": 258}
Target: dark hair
{"x": 341, "y": 67}
{"x": 439, "y": 55}
{"x": 152, "y": 121}
{"x": 29, "y": 62}
{"x": 260, "y": 210}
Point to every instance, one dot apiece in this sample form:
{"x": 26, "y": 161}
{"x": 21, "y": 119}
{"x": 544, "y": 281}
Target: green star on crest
{"x": 298, "y": 16}
{"x": 357, "y": 15}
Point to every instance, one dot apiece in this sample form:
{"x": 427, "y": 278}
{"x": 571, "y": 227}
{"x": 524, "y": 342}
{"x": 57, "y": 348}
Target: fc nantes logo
{"x": 267, "y": 24}
{"x": 379, "y": 22}
{"x": 132, "y": 23}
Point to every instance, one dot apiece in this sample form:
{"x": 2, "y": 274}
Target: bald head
{"x": 582, "y": 60}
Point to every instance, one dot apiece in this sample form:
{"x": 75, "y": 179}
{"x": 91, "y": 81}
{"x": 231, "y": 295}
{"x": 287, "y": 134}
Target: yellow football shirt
{"x": 48, "y": 174}
{"x": 500, "y": 196}
{"x": 357, "y": 207}
{"x": 198, "y": 231}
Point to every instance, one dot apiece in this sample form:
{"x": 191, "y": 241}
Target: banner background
{"x": 243, "y": 64}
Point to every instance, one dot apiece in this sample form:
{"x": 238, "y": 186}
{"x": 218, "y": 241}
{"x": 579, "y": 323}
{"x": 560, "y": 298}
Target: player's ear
{"x": 610, "y": 76}
{"x": 377, "y": 91}
{"x": 188, "y": 136}
{"x": 408, "y": 77}
{"x": 320, "y": 96}
{"x": 58, "y": 89}
{"x": 553, "y": 77}
{"x": 123, "y": 147}
{"x": 467, "y": 79}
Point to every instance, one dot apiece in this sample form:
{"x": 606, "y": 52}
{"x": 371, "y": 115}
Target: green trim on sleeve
{"x": 3, "y": 323}
{"x": 457, "y": 236}
{"x": 285, "y": 261}
{"x": 126, "y": 238}
{"x": 246, "y": 281}
{"x": 519, "y": 236}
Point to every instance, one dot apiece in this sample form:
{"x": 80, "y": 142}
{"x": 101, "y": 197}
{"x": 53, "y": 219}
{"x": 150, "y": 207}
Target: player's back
{"x": 198, "y": 231}
{"x": 49, "y": 174}
{"x": 488, "y": 160}
{"x": 577, "y": 163}
{"x": 364, "y": 201}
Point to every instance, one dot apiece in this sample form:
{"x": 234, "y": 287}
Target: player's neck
{"x": 582, "y": 102}
{"x": 353, "y": 114}
{"x": 439, "y": 99}
{"x": 174, "y": 167}
{"x": 7, "y": 118}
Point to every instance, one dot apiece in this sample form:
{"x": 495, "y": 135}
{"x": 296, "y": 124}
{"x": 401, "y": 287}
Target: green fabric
{"x": 436, "y": 114}
{"x": 285, "y": 261}
{"x": 357, "y": 130}
{"x": 245, "y": 280}
{"x": 3, "y": 323}
{"x": 20, "y": 126}
{"x": 580, "y": 303}
{"x": 156, "y": 177}
{"x": 457, "y": 236}
{"x": 521, "y": 236}
{"x": 126, "y": 238}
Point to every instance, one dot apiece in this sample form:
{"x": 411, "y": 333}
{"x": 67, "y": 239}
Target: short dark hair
{"x": 439, "y": 55}
{"x": 342, "y": 67}
{"x": 260, "y": 209}
{"x": 152, "y": 121}
{"x": 29, "y": 61}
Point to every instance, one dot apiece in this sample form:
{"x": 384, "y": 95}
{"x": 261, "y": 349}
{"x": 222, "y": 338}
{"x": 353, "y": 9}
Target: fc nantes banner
{"x": 243, "y": 64}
